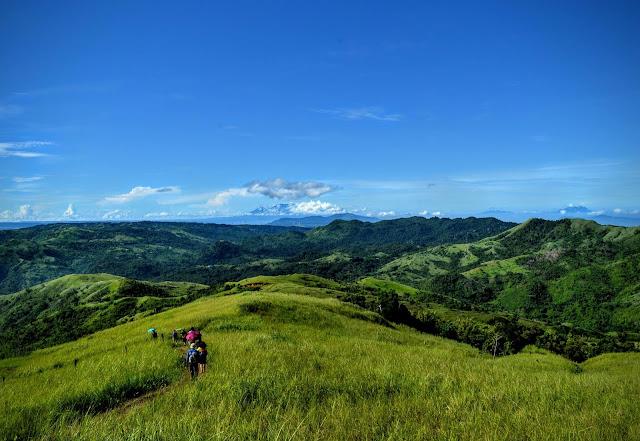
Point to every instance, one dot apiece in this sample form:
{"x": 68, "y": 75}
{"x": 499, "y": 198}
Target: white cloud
{"x": 274, "y": 188}
{"x": 141, "y": 192}
{"x": 315, "y": 207}
{"x": 374, "y": 113}
{"x": 622, "y": 211}
{"x": 282, "y": 189}
{"x": 563, "y": 211}
{"x": 223, "y": 197}
{"x": 437, "y": 213}
{"x": 70, "y": 213}
{"x": 596, "y": 213}
{"x": 117, "y": 214}
{"x": 21, "y": 180}
{"x": 25, "y": 212}
{"x": 386, "y": 213}
{"x": 424, "y": 213}
{"x": 18, "y": 149}
{"x": 156, "y": 215}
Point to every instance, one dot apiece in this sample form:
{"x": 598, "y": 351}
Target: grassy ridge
{"x": 76, "y": 305}
{"x": 289, "y": 366}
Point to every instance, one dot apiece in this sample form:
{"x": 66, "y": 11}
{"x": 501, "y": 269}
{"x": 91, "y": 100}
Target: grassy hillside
{"x": 291, "y": 366}
{"x": 76, "y": 305}
{"x": 571, "y": 271}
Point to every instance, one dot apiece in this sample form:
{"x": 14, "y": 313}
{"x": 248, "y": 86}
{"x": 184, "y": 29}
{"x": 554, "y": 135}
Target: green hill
{"x": 142, "y": 250}
{"x": 570, "y": 271}
{"x": 76, "y": 305}
{"x": 211, "y": 253}
{"x": 286, "y": 365}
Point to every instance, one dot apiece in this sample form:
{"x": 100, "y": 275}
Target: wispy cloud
{"x": 162, "y": 214}
{"x": 20, "y": 149}
{"x": 223, "y": 197}
{"x": 69, "y": 88}
{"x": 31, "y": 179}
{"x": 141, "y": 192}
{"x": 10, "y": 110}
{"x": 303, "y": 138}
{"x": 389, "y": 184}
{"x": 117, "y": 214}
{"x": 352, "y": 114}
{"x": 577, "y": 171}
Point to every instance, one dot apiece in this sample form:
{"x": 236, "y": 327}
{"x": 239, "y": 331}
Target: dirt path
{"x": 144, "y": 398}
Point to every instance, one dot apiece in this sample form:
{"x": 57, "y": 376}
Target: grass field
{"x": 290, "y": 366}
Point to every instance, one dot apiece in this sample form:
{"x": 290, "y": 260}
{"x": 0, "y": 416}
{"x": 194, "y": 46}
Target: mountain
{"x": 287, "y": 360}
{"x": 575, "y": 210}
{"x": 142, "y": 250}
{"x": 76, "y": 305}
{"x": 608, "y": 218}
{"x": 203, "y": 253}
{"x": 570, "y": 271}
{"x": 320, "y": 221}
{"x": 276, "y": 210}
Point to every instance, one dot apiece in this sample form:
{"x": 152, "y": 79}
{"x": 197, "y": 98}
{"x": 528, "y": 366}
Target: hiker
{"x": 174, "y": 336}
{"x": 197, "y": 336}
{"x": 192, "y": 361}
{"x": 184, "y": 337}
{"x": 191, "y": 336}
{"x": 202, "y": 359}
{"x": 154, "y": 334}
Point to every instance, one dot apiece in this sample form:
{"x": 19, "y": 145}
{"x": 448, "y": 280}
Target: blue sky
{"x": 142, "y": 110}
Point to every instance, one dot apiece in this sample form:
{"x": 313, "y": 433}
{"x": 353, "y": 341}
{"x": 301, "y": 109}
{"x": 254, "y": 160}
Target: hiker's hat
{"x": 193, "y": 345}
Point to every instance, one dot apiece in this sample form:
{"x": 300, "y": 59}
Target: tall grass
{"x": 291, "y": 367}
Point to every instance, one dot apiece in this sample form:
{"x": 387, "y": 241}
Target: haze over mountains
{"x": 288, "y": 214}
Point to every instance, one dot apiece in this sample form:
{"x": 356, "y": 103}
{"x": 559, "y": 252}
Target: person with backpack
{"x": 202, "y": 359}
{"x": 184, "y": 337}
{"x": 191, "y": 336}
{"x": 174, "y": 336}
{"x": 192, "y": 361}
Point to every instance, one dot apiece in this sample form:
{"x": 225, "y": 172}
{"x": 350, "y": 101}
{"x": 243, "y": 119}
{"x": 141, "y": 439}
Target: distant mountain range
{"x": 319, "y": 221}
{"x": 571, "y": 212}
{"x": 290, "y": 215}
{"x": 276, "y": 210}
